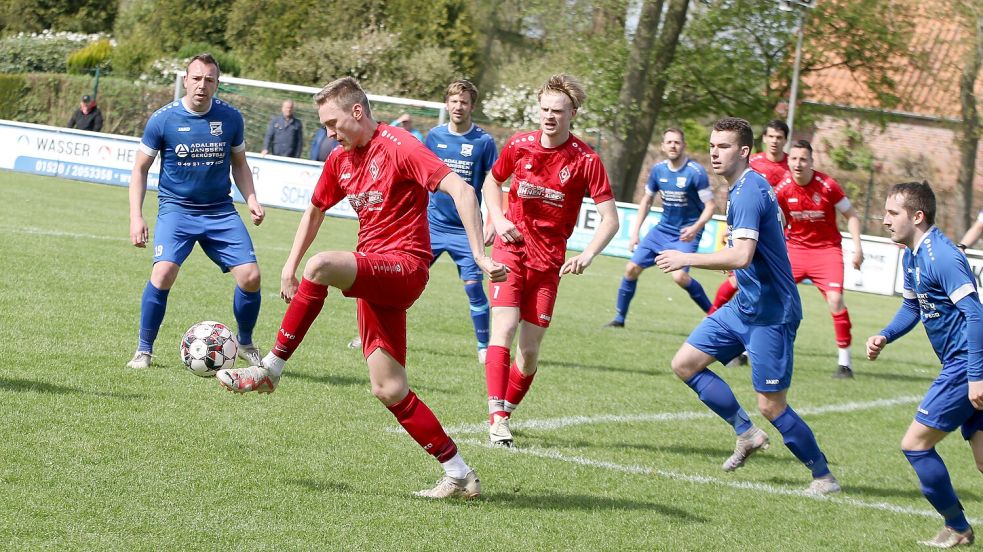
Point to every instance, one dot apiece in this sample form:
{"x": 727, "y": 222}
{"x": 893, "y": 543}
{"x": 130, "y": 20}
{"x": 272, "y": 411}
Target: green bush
{"x": 44, "y": 52}
{"x": 133, "y": 57}
{"x": 12, "y": 89}
{"x": 228, "y": 63}
{"x": 96, "y": 54}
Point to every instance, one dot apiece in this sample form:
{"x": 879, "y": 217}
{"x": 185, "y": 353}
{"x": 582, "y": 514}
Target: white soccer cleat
{"x": 450, "y": 487}
{"x": 250, "y": 353}
{"x": 141, "y": 360}
{"x": 825, "y": 485}
{"x": 251, "y": 378}
{"x": 748, "y": 443}
{"x": 950, "y": 538}
{"x": 499, "y": 433}
{"x": 355, "y": 343}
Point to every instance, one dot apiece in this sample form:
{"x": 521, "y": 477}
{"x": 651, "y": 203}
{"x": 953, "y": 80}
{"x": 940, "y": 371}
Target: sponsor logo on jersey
{"x": 215, "y": 127}
{"x": 564, "y": 174}
{"x": 680, "y": 181}
{"x": 532, "y": 191}
{"x": 374, "y": 170}
{"x": 345, "y": 176}
{"x": 922, "y": 411}
{"x": 466, "y": 149}
{"x": 664, "y": 180}
{"x": 771, "y": 382}
{"x": 793, "y": 200}
{"x": 545, "y": 317}
{"x": 184, "y": 129}
{"x": 441, "y": 146}
{"x": 181, "y": 150}
{"x": 366, "y": 200}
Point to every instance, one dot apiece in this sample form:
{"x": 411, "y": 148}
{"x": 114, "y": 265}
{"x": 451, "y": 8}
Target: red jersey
{"x": 772, "y": 171}
{"x": 387, "y": 183}
{"x": 810, "y": 211}
{"x": 548, "y": 187}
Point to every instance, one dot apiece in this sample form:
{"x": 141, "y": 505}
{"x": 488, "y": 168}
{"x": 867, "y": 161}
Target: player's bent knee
{"x": 164, "y": 274}
{"x": 681, "y": 278}
{"x": 632, "y": 271}
{"x": 390, "y": 393}
{"x": 247, "y": 277}
{"x": 324, "y": 268}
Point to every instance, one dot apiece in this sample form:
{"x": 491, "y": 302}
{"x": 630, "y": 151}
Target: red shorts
{"x": 534, "y": 292}
{"x": 823, "y": 266}
{"x": 386, "y": 285}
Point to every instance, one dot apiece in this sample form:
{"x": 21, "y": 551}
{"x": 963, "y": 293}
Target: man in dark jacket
{"x": 285, "y": 135}
{"x": 87, "y": 116}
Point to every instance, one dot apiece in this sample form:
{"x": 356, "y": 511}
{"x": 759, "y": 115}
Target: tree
{"x": 641, "y": 95}
{"x": 970, "y": 132}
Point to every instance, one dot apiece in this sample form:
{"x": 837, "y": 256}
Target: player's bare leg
{"x": 504, "y": 325}
{"x": 152, "y": 307}
{"x": 842, "y": 326}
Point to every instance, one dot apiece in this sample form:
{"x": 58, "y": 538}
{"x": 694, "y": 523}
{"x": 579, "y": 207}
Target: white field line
{"x": 558, "y": 423}
{"x": 706, "y": 480}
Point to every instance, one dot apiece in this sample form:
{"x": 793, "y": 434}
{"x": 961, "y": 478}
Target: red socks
{"x": 303, "y": 309}
{"x": 419, "y": 421}
{"x": 724, "y": 293}
{"x": 842, "y": 325}
{"x": 497, "y": 378}
{"x": 518, "y": 386}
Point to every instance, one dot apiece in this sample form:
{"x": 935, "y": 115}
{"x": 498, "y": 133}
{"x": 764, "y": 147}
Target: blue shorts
{"x": 656, "y": 241}
{"x": 946, "y": 406}
{"x": 724, "y": 335}
{"x": 223, "y": 238}
{"x": 457, "y": 246}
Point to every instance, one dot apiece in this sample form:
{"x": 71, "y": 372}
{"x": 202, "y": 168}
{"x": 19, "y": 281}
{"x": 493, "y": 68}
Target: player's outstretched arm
{"x": 875, "y": 344}
{"x": 244, "y": 181}
{"x": 492, "y": 192}
{"x": 310, "y": 223}
{"x": 904, "y": 320}
{"x": 602, "y": 236}
{"x": 139, "y": 234}
{"x": 467, "y": 208}
{"x": 729, "y": 258}
{"x": 971, "y": 309}
{"x": 643, "y": 212}
{"x": 971, "y": 235}
{"x": 689, "y": 233}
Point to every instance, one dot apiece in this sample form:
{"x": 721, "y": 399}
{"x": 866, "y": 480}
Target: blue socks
{"x": 801, "y": 441}
{"x": 152, "y": 307}
{"x": 697, "y": 294}
{"x": 718, "y": 396}
{"x": 245, "y": 307}
{"x": 937, "y": 487}
{"x": 626, "y": 292}
{"x": 479, "y": 312}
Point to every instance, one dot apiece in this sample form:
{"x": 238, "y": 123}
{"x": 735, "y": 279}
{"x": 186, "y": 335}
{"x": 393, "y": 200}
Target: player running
{"x": 687, "y": 205}
{"x": 810, "y": 200}
{"x": 384, "y": 173}
{"x": 762, "y": 318}
{"x": 940, "y": 289}
{"x": 199, "y": 140}
{"x": 551, "y": 169}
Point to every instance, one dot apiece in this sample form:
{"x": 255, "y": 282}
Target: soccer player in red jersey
{"x": 772, "y": 163}
{"x": 551, "y": 169}
{"x": 385, "y": 174}
{"x": 810, "y": 200}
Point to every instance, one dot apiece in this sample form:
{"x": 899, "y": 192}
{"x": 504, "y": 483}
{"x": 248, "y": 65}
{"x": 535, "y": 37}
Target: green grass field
{"x": 614, "y": 453}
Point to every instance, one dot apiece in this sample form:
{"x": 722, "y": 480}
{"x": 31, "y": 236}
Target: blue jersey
{"x": 937, "y": 275}
{"x": 471, "y": 155}
{"x": 766, "y": 292}
{"x": 196, "y": 155}
{"x": 683, "y": 194}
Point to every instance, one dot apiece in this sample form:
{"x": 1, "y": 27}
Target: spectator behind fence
{"x": 87, "y": 116}
{"x": 406, "y": 122}
{"x": 285, "y": 135}
{"x": 322, "y": 145}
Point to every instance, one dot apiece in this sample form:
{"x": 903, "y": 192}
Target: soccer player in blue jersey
{"x": 470, "y": 152}
{"x": 940, "y": 290}
{"x": 200, "y": 139}
{"x": 762, "y": 319}
{"x": 687, "y": 205}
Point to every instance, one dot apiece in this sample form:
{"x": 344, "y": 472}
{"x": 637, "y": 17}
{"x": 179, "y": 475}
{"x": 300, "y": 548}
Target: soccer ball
{"x": 208, "y": 347}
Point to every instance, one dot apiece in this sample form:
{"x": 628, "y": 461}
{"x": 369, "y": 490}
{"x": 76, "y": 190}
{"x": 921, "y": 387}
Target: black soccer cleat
{"x": 843, "y": 372}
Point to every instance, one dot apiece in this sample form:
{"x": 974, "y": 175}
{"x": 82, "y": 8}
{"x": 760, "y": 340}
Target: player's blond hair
{"x": 566, "y": 85}
{"x": 345, "y": 92}
{"x": 462, "y": 86}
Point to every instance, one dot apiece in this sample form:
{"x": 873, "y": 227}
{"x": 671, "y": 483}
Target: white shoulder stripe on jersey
{"x": 909, "y": 294}
{"x": 148, "y": 150}
{"x": 843, "y": 205}
{"x": 961, "y": 292}
{"x": 706, "y": 194}
{"x": 240, "y": 147}
{"x": 739, "y": 233}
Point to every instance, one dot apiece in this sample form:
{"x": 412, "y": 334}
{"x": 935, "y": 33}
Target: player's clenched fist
{"x": 875, "y": 344}
{"x": 496, "y": 272}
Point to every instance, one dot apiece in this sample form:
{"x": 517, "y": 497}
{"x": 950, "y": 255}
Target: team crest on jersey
{"x": 564, "y": 174}
{"x": 374, "y": 170}
{"x": 816, "y": 198}
{"x": 466, "y": 149}
{"x": 680, "y": 181}
{"x": 181, "y": 150}
{"x": 215, "y": 127}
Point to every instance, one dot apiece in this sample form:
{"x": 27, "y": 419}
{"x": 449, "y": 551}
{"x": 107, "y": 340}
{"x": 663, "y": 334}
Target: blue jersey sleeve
{"x": 700, "y": 179}
{"x": 652, "y": 185}
{"x": 746, "y": 210}
{"x": 972, "y": 311}
{"x": 153, "y": 133}
{"x": 954, "y": 275}
{"x": 239, "y": 134}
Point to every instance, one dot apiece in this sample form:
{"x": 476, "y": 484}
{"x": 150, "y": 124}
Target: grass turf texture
{"x": 98, "y": 457}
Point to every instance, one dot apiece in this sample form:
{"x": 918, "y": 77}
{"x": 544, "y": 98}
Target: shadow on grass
{"x": 912, "y": 492}
{"x": 520, "y": 499}
{"x": 603, "y": 368}
{"x": 25, "y": 385}
{"x": 894, "y": 376}
{"x": 335, "y": 487}
{"x": 330, "y": 379}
